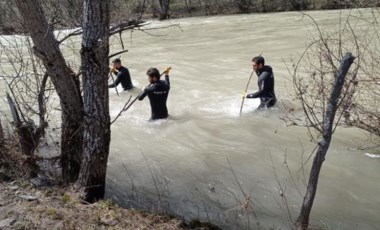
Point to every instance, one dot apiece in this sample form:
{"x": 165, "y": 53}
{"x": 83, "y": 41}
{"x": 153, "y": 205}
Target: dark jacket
{"x": 266, "y": 87}
{"x": 123, "y": 77}
{"x": 158, "y": 94}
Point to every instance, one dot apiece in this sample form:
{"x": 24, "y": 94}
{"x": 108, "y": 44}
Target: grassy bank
{"x": 25, "y": 207}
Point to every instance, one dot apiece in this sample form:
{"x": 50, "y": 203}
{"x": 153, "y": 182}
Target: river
{"x": 206, "y": 162}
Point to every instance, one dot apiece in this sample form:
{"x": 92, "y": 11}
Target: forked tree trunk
{"x": 302, "y": 221}
{"x": 94, "y": 55}
{"x": 47, "y": 49}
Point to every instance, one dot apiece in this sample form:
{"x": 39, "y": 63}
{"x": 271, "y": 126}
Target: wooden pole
{"x": 245, "y": 91}
{"x": 113, "y": 80}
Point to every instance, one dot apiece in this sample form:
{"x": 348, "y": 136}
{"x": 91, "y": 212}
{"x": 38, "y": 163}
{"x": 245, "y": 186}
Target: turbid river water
{"x": 181, "y": 165}
{"x": 206, "y": 161}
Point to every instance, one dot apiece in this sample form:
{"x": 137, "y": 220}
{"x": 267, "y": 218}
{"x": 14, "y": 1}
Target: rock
{"x": 14, "y": 188}
{"x": 28, "y": 197}
{"x": 41, "y": 182}
{"x": 7, "y": 222}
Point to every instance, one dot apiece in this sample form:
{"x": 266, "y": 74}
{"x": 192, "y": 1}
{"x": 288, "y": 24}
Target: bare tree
{"x": 164, "y": 9}
{"x": 188, "y": 5}
{"x": 28, "y": 95}
{"x": 326, "y": 128}
{"x": 300, "y": 4}
{"x": 243, "y": 5}
{"x": 96, "y": 138}
{"x": 85, "y": 124}
{"x": 46, "y": 47}
{"x": 363, "y": 102}
{"x": 328, "y": 92}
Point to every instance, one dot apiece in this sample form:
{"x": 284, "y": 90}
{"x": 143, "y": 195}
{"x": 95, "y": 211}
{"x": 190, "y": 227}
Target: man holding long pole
{"x": 122, "y": 76}
{"x": 158, "y": 92}
{"x": 265, "y": 82}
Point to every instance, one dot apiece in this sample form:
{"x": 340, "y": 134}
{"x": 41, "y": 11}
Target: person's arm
{"x": 146, "y": 92}
{"x": 167, "y": 80}
{"x": 262, "y": 80}
{"x": 117, "y": 81}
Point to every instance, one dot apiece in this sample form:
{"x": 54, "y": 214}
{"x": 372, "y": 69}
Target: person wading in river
{"x": 157, "y": 93}
{"x": 265, "y": 82}
{"x": 122, "y": 75}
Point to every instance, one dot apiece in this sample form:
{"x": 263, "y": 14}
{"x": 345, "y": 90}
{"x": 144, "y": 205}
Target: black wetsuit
{"x": 123, "y": 77}
{"x": 158, "y": 94}
{"x": 266, "y": 88}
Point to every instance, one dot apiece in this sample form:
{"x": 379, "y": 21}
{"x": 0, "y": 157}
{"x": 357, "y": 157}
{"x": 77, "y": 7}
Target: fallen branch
{"x": 125, "y": 108}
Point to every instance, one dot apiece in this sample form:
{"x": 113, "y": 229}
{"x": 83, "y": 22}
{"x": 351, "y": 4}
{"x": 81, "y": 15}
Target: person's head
{"x": 116, "y": 63}
{"x": 258, "y": 63}
{"x": 153, "y": 75}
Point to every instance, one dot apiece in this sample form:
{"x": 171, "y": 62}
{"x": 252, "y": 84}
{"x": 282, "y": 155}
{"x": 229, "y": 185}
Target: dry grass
{"x": 57, "y": 208}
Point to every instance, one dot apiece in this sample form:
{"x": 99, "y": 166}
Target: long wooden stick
{"x": 245, "y": 91}
{"x": 113, "y": 80}
{"x": 127, "y": 106}
{"x": 133, "y": 101}
{"x": 138, "y": 96}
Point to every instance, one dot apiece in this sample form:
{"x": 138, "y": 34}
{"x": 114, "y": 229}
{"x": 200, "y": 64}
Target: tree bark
{"x": 1, "y": 137}
{"x": 299, "y": 4}
{"x": 47, "y": 49}
{"x": 302, "y": 221}
{"x": 164, "y": 9}
{"x": 94, "y": 55}
{"x": 42, "y": 105}
{"x": 27, "y": 136}
{"x": 243, "y": 5}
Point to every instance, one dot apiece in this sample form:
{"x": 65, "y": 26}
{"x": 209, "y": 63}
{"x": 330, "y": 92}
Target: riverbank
{"x": 146, "y": 10}
{"x": 25, "y": 207}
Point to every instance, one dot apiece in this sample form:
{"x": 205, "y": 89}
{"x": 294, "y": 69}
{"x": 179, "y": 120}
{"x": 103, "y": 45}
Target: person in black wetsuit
{"x": 122, "y": 75}
{"x": 265, "y": 83}
{"x": 157, "y": 93}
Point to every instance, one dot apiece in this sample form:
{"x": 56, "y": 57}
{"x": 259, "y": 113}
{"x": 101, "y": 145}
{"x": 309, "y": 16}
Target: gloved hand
{"x": 167, "y": 70}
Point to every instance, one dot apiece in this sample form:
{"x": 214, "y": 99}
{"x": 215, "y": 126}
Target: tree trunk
{"x": 94, "y": 55}
{"x": 243, "y": 5}
{"x": 27, "y": 137}
{"x": 164, "y": 9}
{"x": 302, "y": 221}
{"x": 47, "y": 49}
{"x": 299, "y": 4}
{"x": 41, "y": 105}
{"x": 1, "y": 137}
{"x": 188, "y": 6}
